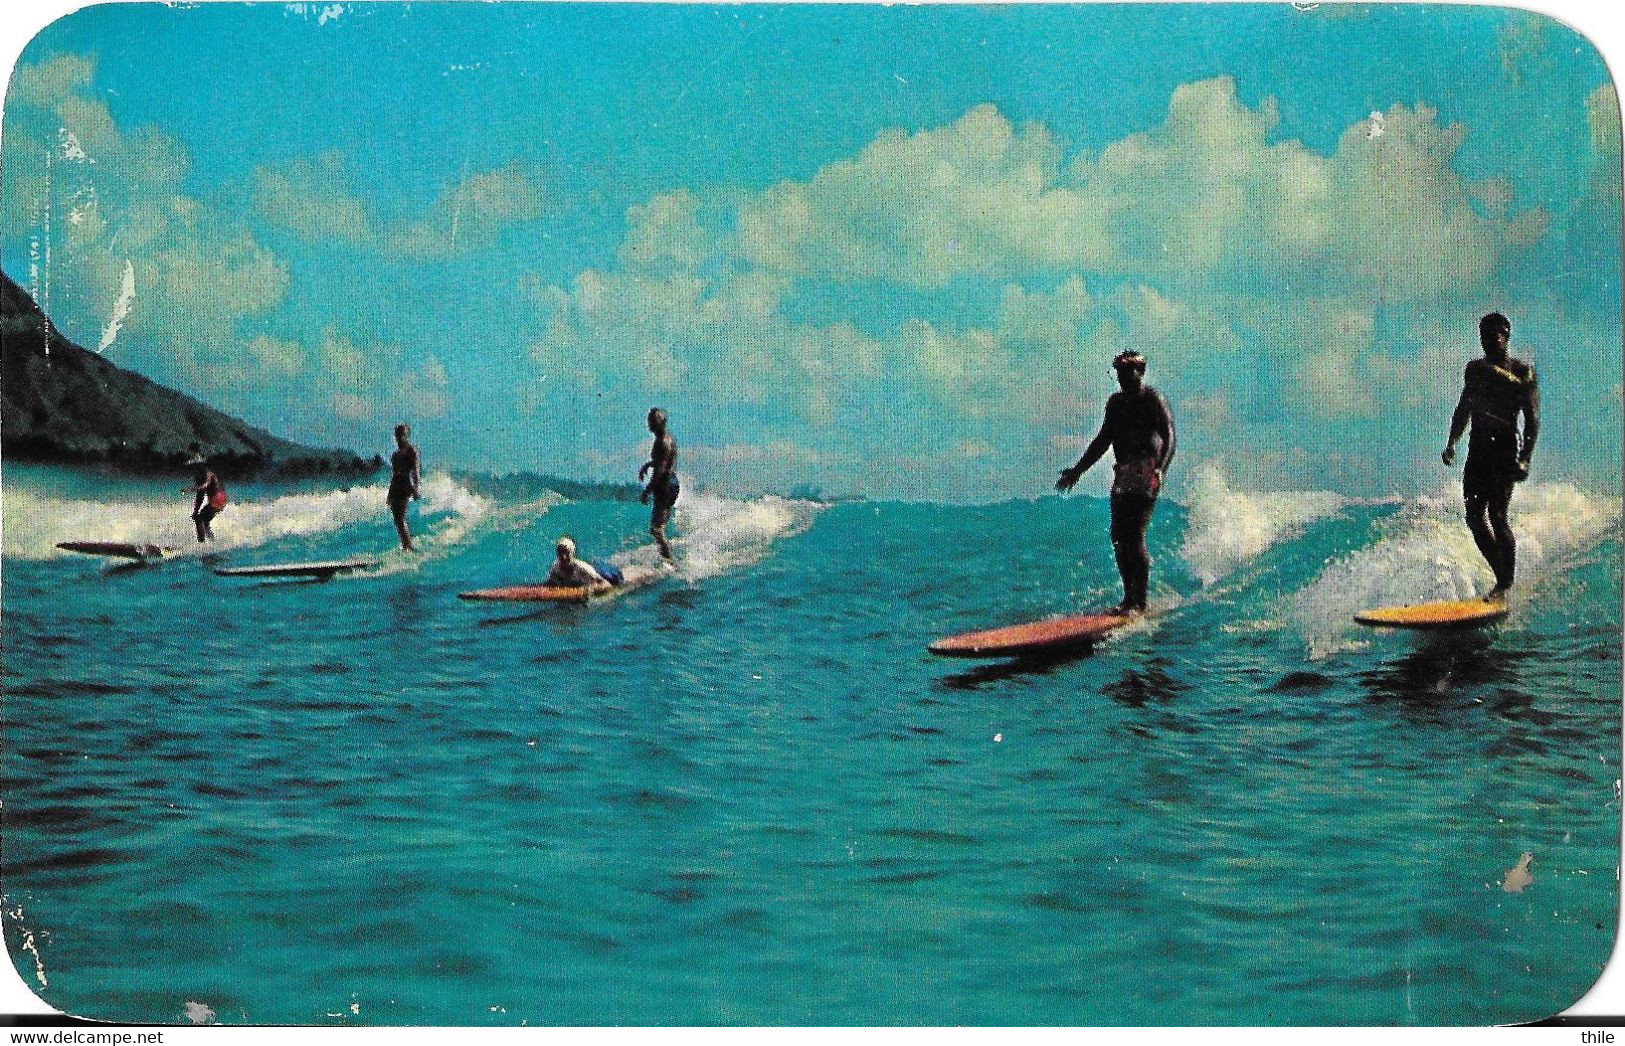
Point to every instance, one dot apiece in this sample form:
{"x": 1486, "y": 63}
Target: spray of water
{"x": 1229, "y": 528}
{"x": 1425, "y": 552}
{"x": 36, "y": 522}
{"x": 717, "y": 534}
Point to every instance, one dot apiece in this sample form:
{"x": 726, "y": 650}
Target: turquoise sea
{"x": 747, "y": 795}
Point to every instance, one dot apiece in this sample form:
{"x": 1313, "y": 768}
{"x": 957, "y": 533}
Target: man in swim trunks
{"x": 1496, "y": 390}
{"x": 662, "y": 471}
{"x": 404, "y": 476}
{"x": 570, "y": 572}
{"x": 1139, "y": 430}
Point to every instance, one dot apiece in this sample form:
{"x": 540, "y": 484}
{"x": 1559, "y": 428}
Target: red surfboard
{"x": 1056, "y": 635}
{"x": 538, "y": 593}
{"x": 633, "y": 577}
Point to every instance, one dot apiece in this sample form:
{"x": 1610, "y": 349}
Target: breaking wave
{"x": 1228, "y": 528}
{"x": 717, "y": 534}
{"x": 36, "y": 522}
{"x": 1425, "y": 552}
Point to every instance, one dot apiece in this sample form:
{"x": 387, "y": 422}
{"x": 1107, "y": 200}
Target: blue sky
{"x": 876, "y": 250}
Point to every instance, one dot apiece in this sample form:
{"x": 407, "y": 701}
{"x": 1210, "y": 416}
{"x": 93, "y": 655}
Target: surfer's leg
{"x": 1506, "y": 543}
{"x": 1477, "y": 507}
{"x": 397, "y": 510}
{"x": 1120, "y": 545}
{"x": 657, "y": 527}
{"x": 1141, "y": 554}
{"x": 1131, "y": 515}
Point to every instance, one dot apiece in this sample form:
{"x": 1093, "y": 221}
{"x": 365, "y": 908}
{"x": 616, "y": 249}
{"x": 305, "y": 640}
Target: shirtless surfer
{"x": 404, "y": 476}
{"x": 661, "y": 468}
{"x": 1496, "y": 390}
{"x": 1139, "y": 430}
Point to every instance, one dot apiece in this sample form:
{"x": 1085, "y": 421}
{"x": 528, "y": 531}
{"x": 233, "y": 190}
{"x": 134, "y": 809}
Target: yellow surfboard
{"x": 1450, "y": 613}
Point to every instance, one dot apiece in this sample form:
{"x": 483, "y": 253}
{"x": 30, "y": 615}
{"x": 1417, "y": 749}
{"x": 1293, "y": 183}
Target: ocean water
{"x": 748, "y": 795}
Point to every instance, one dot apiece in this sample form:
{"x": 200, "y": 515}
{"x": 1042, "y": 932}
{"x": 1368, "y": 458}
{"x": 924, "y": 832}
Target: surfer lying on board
{"x": 570, "y": 572}
{"x": 208, "y": 495}
{"x": 1496, "y": 390}
{"x": 404, "y": 476}
{"x": 1139, "y": 430}
{"x": 663, "y": 480}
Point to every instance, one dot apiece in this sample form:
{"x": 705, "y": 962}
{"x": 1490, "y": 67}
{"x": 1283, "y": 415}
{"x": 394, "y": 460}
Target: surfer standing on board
{"x": 1495, "y": 391}
{"x": 404, "y": 475}
{"x": 1139, "y": 431}
{"x": 208, "y": 495}
{"x": 661, "y": 468}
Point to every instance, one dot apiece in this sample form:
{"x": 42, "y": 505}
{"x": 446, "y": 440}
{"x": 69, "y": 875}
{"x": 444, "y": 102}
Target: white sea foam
{"x": 1425, "y": 552}
{"x": 36, "y": 522}
{"x": 717, "y": 534}
{"x": 1228, "y": 528}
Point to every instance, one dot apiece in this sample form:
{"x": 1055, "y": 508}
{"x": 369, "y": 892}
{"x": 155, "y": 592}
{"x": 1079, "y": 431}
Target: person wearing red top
{"x": 208, "y": 495}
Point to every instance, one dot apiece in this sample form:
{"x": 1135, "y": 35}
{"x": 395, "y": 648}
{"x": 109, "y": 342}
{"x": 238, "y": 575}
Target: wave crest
{"x": 717, "y": 534}
{"x": 1426, "y": 552}
{"x": 36, "y": 522}
{"x": 1228, "y": 528}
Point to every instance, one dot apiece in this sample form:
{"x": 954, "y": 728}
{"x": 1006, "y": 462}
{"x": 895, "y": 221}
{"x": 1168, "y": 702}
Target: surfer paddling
{"x": 1496, "y": 390}
{"x": 1139, "y": 431}
{"x": 570, "y": 572}
{"x": 208, "y": 495}
{"x": 661, "y": 468}
{"x": 404, "y": 476}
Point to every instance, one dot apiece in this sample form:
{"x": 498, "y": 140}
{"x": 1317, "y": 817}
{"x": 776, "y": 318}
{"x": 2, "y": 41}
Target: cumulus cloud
{"x": 678, "y": 314}
{"x": 1234, "y": 260}
{"x": 1589, "y": 234}
{"x": 1208, "y": 196}
{"x": 313, "y": 199}
{"x": 468, "y": 214}
{"x": 976, "y": 197}
{"x": 276, "y": 358}
{"x": 368, "y": 383}
{"x": 119, "y": 218}
{"x": 424, "y": 392}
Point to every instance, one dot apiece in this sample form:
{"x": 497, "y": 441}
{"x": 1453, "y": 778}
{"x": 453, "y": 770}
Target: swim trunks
{"x": 1136, "y": 477}
{"x": 1492, "y": 465}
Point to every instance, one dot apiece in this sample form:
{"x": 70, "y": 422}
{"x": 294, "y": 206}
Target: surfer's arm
{"x": 1531, "y": 420}
{"x": 417, "y": 471}
{"x": 1165, "y": 425}
{"x": 1091, "y": 454}
{"x": 1458, "y": 425}
{"x": 661, "y": 460}
{"x": 653, "y": 464}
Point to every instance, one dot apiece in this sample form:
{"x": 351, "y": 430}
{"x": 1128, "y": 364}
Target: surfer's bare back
{"x": 1139, "y": 431}
{"x": 1496, "y": 391}
{"x": 661, "y": 468}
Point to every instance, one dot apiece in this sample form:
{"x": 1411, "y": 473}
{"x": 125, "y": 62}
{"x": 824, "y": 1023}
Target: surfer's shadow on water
{"x": 1020, "y": 668}
{"x": 566, "y": 616}
{"x": 1447, "y": 668}
{"x": 1134, "y": 688}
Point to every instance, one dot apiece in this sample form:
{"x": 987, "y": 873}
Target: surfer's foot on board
{"x": 1497, "y": 594}
{"x": 1127, "y": 610}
